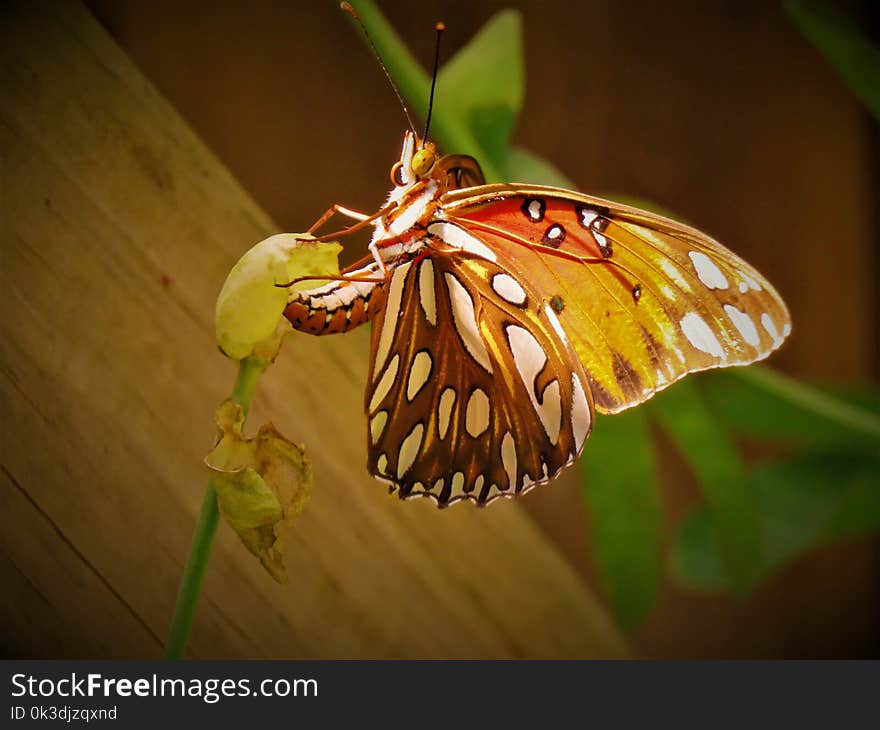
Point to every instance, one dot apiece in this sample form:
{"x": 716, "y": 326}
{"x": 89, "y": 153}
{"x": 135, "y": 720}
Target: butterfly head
{"x": 423, "y": 160}
{"x": 416, "y": 161}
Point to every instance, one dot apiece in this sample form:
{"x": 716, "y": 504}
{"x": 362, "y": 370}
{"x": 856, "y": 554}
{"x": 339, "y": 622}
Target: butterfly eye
{"x": 422, "y": 162}
{"x": 397, "y": 174}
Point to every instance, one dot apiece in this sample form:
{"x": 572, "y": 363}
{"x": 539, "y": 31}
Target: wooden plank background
{"x": 109, "y": 380}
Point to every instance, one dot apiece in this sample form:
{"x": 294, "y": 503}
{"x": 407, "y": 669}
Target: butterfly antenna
{"x": 351, "y": 11}
{"x": 440, "y": 26}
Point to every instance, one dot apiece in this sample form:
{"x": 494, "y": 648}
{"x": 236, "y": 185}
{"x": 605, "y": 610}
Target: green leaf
{"x": 805, "y": 502}
{"x": 520, "y": 165}
{"x": 695, "y": 561}
{"x": 845, "y": 47}
{"x": 758, "y": 401}
{"x": 483, "y": 85}
{"x": 262, "y": 484}
{"x": 714, "y": 460}
{"x": 621, "y": 491}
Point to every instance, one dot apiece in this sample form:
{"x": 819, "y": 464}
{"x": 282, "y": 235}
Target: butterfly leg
{"x": 354, "y": 272}
{"x": 362, "y": 219}
{"x": 333, "y": 210}
{"x": 375, "y": 247}
{"x": 374, "y": 251}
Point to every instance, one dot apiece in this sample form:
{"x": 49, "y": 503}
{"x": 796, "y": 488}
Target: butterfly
{"x": 505, "y": 316}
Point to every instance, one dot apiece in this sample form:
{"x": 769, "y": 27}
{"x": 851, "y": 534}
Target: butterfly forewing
{"x": 474, "y": 391}
{"x": 644, "y": 300}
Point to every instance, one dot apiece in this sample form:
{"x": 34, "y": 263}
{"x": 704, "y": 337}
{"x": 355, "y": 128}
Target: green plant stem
{"x": 193, "y": 576}
{"x": 811, "y": 399}
{"x": 249, "y": 371}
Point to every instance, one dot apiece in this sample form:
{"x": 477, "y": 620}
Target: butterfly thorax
{"x": 421, "y": 177}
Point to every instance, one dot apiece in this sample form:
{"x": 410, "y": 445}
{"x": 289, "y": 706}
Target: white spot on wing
{"x": 770, "y": 326}
{"x": 477, "y": 415}
{"x": 601, "y": 241}
{"x": 426, "y": 291}
{"x": 555, "y": 231}
{"x": 377, "y": 425}
{"x": 508, "y": 288}
{"x": 551, "y": 411}
{"x": 557, "y": 325}
{"x": 587, "y": 217}
{"x": 418, "y": 374}
{"x": 466, "y": 321}
{"x": 744, "y": 324}
{"x": 751, "y": 283}
{"x": 508, "y": 459}
{"x": 409, "y": 449}
{"x": 707, "y": 271}
{"x": 392, "y": 311}
{"x": 384, "y": 384}
{"x": 456, "y": 236}
{"x": 382, "y": 464}
{"x": 530, "y": 359}
{"x": 700, "y": 335}
{"x": 444, "y": 411}
{"x": 457, "y": 483}
{"x": 580, "y": 413}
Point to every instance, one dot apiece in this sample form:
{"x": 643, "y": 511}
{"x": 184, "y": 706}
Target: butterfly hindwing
{"x": 644, "y": 299}
{"x": 474, "y": 391}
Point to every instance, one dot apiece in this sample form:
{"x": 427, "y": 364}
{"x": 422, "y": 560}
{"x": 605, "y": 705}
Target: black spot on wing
{"x": 534, "y": 209}
{"x": 595, "y": 220}
{"x": 554, "y": 236}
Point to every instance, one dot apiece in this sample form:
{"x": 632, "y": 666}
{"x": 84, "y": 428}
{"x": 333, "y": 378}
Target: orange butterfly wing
{"x": 644, "y": 299}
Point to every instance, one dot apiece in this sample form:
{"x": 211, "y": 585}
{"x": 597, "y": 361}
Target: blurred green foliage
{"x": 845, "y": 47}
{"x": 824, "y": 484}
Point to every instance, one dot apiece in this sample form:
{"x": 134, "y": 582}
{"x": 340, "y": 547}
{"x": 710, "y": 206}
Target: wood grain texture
{"x": 109, "y": 379}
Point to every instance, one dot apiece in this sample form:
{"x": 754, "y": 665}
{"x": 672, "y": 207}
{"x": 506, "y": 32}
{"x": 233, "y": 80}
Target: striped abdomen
{"x": 339, "y": 306}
